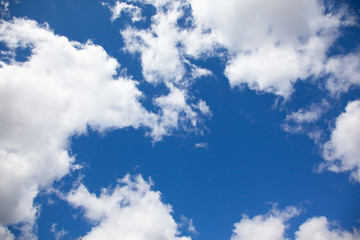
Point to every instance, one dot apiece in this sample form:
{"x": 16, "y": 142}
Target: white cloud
{"x": 164, "y": 48}
{"x": 129, "y": 211}
{"x": 5, "y": 234}
{"x": 174, "y": 110}
{"x": 4, "y": 8}
{"x": 272, "y": 44}
{"x": 297, "y": 122}
{"x": 197, "y": 72}
{"x": 318, "y": 228}
{"x": 269, "y": 69}
{"x": 189, "y": 224}
{"x": 344, "y": 72}
{"x": 202, "y": 145}
{"x": 342, "y": 151}
{"x": 204, "y": 108}
{"x": 57, "y": 234}
{"x": 302, "y": 115}
{"x": 270, "y": 226}
{"x": 62, "y": 88}
{"x": 160, "y": 58}
{"x": 120, "y": 7}
{"x": 273, "y": 226}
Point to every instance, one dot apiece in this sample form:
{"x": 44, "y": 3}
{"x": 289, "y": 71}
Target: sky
{"x": 180, "y": 119}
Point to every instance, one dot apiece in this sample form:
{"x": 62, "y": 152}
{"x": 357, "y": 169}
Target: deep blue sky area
{"x": 240, "y": 161}
{"x": 214, "y": 186}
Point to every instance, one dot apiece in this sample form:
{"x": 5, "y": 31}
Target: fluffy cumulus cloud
{"x": 270, "y": 45}
{"x": 52, "y": 88}
{"x": 318, "y": 228}
{"x": 344, "y": 72}
{"x": 122, "y": 7}
{"x": 270, "y": 226}
{"x": 342, "y": 151}
{"x": 131, "y": 211}
{"x": 165, "y": 48}
{"x": 166, "y": 45}
{"x": 60, "y": 89}
{"x": 273, "y": 44}
{"x": 5, "y": 234}
{"x": 273, "y": 225}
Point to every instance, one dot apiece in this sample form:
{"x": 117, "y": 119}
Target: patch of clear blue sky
{"x": 249, "y": 161}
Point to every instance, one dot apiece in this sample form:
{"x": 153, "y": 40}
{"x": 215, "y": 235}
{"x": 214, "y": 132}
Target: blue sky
{"x": 185, "y": 119}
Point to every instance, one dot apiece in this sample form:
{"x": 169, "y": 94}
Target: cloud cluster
{"x": 343, "y": 72}
{"x": 342, "y": 151}
{"x": 5, "y": 234}
{"x": 58, "y": 91}
{"x": 4, "y": 9}
{"x": 305, "y": 121}
{"x": 318, "y": 228}
{"x": 131, "y": 210}
{"x": 273, "y": 225}
{"x": 166, "y": 46}
{"x": 270, "y": 46}
{"x": 273, "y": 44}
{"x": 264, "y": 227}
{"x": 165, "y": 50}
{"x": 61, "y": 88}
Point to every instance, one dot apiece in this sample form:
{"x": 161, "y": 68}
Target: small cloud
{"x": 341, "y": 152}
{"x": 188, "y": 223}
{"x": 4, "y": 9}
{"x": 204, "y": 108}
{"x": 121, "y": 7}
{"x": 202, "y": 145}
{"x": 58, "y": 234}
{"x": 131, "y": 209}
{"x": 298, "y": 122}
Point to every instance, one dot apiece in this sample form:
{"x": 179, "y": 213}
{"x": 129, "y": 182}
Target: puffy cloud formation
{"x": 120, "y": 7}
{"x": 164, "y": 50}
{"x": 273, "y": 44}
{"x": 5, "y": 234}
{"x": 165, "y": 46}
{"x": 342, "y": 151}
{"x": 318, "y": 228}
{"x": 273, "y": 225}
{"x": 270, "y": 45}
{"x": 60, "y": 89}
{"x": 344, "y": 72}
{"x": 64, "y": 87}
{"x": 129, "y": 211}
{"x": 270, "y": 226}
